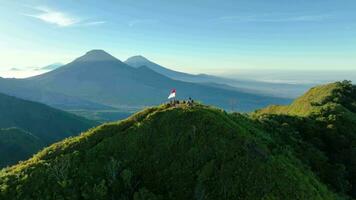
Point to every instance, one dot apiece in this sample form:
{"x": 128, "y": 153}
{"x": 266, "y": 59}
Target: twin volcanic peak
{"x": 100, "y": 78}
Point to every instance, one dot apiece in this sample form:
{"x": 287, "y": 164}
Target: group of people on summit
{"x": 174, "y": 102}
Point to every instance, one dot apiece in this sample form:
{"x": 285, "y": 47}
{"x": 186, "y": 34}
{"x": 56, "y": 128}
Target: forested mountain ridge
{"x": 165, "y": 152}
{"x": 318, "y": 99}
{"x": 187, "y": 152}
{"x": 321, "y": 128}
{"x": 26, "y": 127}
{"x": 17, "y": 144}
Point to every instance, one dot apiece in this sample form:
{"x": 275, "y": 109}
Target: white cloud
{"x": 94, "y": 23}
{"x": 60, "y": 18}
{"x": 54, "y": 17}
{"x": 15, "y": 69}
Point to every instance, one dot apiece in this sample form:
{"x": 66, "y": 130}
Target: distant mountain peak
{"x": 96, "y": 52}
{"x": 138, "y": 57}
{"x": 96, "y": 55}
{"x": 137, "y": 61}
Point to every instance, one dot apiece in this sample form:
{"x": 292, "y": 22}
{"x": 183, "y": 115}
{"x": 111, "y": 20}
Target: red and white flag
{"x": 172, "y": 94}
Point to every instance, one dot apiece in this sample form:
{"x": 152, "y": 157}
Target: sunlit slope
{"x": 165, "y": 153}
{"x": 316, "y": 100}
{"x": 320, "y": 127}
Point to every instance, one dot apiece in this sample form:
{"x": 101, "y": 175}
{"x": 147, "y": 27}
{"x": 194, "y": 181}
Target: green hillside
{"x": 17, "y": 144}
{"x": 166, "y": 153}
{"x": 317, "y": 99}
{"x": 47, "y": 123}
{"x": 38, "y": 125}
{"x": 302, "y": 151}
{"x": 320, "y": 127}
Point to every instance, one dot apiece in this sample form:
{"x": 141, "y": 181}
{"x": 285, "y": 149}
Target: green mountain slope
{"x": 46, "y": 123}
{"x": 38, "y": 125}
{"x": 166, "y": 153}
{"x": 302, "y": 151}
{"x": 17, "y": 144}
{"x": 320, "y": 127}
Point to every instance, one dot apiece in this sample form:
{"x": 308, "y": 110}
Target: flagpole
{"x": 172, "y": 96}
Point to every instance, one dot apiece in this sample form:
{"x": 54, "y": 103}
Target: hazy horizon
{"x": 294, "y": 76}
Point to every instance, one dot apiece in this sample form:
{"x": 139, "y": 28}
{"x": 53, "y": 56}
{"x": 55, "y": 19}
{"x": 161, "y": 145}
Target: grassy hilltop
{"x": 201, "y": 152}
{"x": 338, "y": 96}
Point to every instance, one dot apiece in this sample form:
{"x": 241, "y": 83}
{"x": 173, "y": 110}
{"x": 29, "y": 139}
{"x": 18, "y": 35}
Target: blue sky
{"x": 199, "y": 36}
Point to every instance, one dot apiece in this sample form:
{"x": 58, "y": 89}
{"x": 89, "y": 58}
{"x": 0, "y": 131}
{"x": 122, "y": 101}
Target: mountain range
{"x": 300, "y": 151}
{"x": 139, "y": 61}
{"x": 99, "y": 81}
{"x": 239, "y": 83}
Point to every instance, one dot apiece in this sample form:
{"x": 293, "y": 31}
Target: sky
{"x": 197, "y": 36}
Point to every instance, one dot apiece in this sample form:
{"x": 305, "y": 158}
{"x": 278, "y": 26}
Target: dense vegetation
{"x": 40, "y": 125}
{"x": 165, "y": 153}
{"x": 320, "y": 127}
{"x": 302, "y": 151}
{"x": 17, "y": 144}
